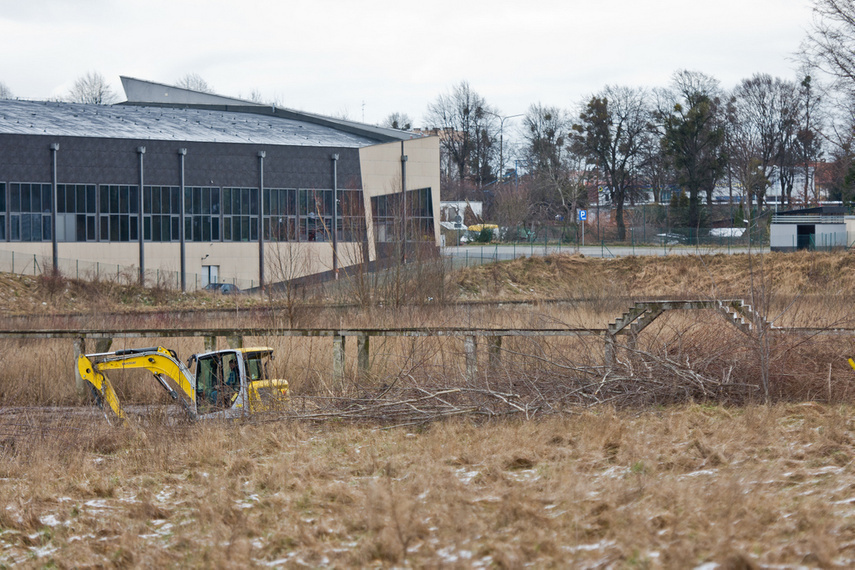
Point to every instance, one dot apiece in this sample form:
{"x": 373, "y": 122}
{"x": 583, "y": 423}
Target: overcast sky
{"x": 368, "y": 58}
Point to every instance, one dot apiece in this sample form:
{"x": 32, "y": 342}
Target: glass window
{"x": 29, "y": 211}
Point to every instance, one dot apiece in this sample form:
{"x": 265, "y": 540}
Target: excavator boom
{"x": 158, "y": 360}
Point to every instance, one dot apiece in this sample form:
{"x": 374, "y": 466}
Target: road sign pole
{"x": 583, "y": 217}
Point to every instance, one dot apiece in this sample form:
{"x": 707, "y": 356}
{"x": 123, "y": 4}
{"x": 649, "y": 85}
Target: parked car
{"x": 224, "y": 288}
{"x": 672, "y": 238}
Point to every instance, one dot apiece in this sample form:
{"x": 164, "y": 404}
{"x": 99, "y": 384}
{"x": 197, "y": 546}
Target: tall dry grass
{"x": 670, "y": 488}
{"x": 684, "y": 356}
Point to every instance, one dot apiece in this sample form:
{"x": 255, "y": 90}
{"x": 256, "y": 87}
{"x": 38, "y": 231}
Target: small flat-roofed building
{"x": 207, "y": 187}
{"x": 822, "y": 227}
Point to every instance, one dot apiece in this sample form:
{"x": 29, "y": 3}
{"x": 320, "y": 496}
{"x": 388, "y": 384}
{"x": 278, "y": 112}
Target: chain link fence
{"x": 33, "y": 264}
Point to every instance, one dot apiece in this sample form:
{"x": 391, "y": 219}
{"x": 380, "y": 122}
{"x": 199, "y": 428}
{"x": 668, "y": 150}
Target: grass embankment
{"x": 703, "y": 276}
{"x": 552, "y": 277}
{"x": 671, "y": 488}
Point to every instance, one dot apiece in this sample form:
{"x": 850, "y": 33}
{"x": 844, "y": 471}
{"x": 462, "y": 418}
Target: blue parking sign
{"x": 583, "y": 215}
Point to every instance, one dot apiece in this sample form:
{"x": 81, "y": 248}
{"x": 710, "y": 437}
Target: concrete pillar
{"x": 235, "y": 341}
{"x": 470, "y": 350}
{"x": 632, "y": 340}
{"x": 210, "y": 343}
{"x": 494, "y": 351}
{"x": 363, "y": 356}
{"x": 103, "y": 344}
{"x": 79, "y": 350}
{"x": 610, "y": 350}
{"x": 338, "y": 360}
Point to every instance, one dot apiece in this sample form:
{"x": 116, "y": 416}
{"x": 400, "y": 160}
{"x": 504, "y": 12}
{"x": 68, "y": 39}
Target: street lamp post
{"x": 502, "y": 139}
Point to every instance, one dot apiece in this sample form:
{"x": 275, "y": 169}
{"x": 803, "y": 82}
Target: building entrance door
{"x": 210, "y": 274}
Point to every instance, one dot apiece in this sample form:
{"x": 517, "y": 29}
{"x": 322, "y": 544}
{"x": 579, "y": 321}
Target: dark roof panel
{"x": 168, "y": 123}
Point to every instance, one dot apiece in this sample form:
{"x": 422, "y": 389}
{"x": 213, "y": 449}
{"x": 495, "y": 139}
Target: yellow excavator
{"x": 222, "y": 384}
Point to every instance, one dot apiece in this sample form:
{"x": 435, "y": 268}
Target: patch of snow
{"x": 450, "y": 556}
{"x": 49, "y": 520}
{"x": 39, "y": 552}
{"x": 465, "y": 476}
{"x": 699, "y": 472}
{"x": 524, "y": 475}
{"x": 603, "y": 544}
{"x": 281, "y": 561}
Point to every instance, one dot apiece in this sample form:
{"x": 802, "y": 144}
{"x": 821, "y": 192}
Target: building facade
{"x": 209, "y": 192}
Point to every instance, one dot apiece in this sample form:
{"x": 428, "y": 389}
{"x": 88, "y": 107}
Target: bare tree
{"x": 808, "y": 140}
{"x": 5, "y": 92}
{"x": 396, "y": 120}
{"x": 759, "y": 113}
{"x": 693, "y": 136}
{"x": 255, "y": 96}
{"x": 194, "y": 82}
{"x": 92, "y": 88}
{"x": 557, "y": 173}
{"x": 469, "y": 132}
{"x": 613, "y": 129}
{"x": 830, "y": 44}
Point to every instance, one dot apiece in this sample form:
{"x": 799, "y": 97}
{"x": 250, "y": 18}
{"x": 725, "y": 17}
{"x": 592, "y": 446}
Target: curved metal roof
{"x": 169, "y": 123}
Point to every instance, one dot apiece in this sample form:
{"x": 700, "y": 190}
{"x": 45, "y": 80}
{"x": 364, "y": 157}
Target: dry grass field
{"x": 701, "y": 446}
{"x": 679, "y": 487}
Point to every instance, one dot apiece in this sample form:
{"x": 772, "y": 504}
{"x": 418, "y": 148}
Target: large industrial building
{"x": 265, "y": 194}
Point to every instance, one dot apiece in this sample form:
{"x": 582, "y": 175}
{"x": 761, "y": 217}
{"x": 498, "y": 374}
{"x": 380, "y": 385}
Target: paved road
{"x": 476, "y": 255}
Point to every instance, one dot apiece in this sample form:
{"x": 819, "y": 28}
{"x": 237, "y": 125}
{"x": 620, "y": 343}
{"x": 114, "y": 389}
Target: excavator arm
{"x": 161, "y": 362}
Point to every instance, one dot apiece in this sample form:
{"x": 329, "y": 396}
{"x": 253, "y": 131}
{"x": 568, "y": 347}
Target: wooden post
{"x": 79, "y": 350}
{"x": 338, "y": 360}
{"x": 470, "y": 349}
{"x": 210, "y": 343}
{"x": 363, "y": 356}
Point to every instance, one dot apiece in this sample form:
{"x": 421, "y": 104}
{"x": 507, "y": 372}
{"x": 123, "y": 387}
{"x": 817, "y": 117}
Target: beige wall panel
{"x": 236, "y": 261}
{"x": 381, "y": 173}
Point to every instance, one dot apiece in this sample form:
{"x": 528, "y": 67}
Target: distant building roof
{"x": 149, "y": 93}
{"x": 169, "y": 123}
{"x": 815, "y": 211}
{"x": 141, "y": 91}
